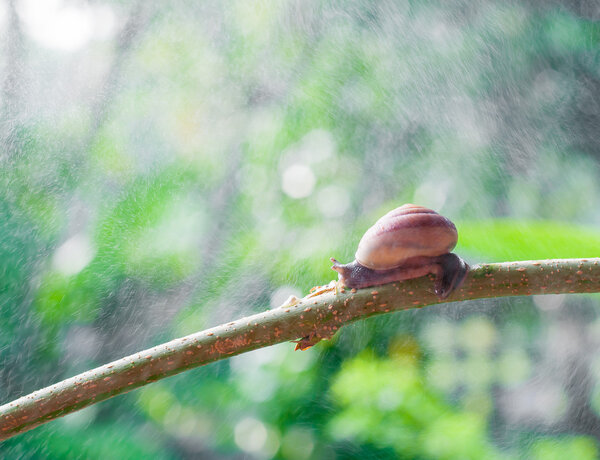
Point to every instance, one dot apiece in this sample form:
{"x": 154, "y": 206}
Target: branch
{"x": 318, "y": 315}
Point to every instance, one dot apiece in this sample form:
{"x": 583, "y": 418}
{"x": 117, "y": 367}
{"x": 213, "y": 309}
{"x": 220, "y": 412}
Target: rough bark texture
{"x": 320, "y": 314}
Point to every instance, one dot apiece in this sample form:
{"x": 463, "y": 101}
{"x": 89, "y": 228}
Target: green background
{"x": 197, "y": 162}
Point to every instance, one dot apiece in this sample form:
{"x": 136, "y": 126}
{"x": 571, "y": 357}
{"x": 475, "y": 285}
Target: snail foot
{"x": 453, "y": 273}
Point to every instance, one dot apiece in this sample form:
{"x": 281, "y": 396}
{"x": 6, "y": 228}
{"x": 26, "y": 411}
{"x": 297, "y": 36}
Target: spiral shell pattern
{"x": 403, "y": 233}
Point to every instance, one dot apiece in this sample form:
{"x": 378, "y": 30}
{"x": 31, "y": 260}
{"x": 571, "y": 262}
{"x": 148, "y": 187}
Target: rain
{"x": 167, "y": 167}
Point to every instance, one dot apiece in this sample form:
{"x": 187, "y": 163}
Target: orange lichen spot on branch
{"x": 318, "y": 290}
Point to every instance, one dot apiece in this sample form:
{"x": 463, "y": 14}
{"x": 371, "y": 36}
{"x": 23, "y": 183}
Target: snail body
{"x": 408, "y": 242}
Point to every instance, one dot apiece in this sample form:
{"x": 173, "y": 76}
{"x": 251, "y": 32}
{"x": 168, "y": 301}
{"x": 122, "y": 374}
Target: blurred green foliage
{"x": 504, "y": 239}
{"x": 175, "y": 166}
{"x": 387, "y": 403}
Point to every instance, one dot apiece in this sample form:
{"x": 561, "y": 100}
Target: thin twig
{"x": 320, "y": 314}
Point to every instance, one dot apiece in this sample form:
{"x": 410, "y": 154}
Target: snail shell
{"x": 409, "y": 242}
{"x": 403, "y": 233}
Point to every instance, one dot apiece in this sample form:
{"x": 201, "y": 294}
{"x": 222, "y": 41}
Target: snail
{"x": 408, "y": 242}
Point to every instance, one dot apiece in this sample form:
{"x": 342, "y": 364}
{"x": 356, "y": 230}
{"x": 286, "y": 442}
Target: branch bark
{"x": 319, "y": 315}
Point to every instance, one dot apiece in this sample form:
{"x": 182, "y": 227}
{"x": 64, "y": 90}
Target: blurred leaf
{"x": 560, "y": 448}
{"x": 457, "y": 436}
{"x": 387, "y": 402}
{"x": 96, "y": 441}
{"x": 506, "y": 239}
{"x": 152, "y": 232}
{"x": 61, "y": 298}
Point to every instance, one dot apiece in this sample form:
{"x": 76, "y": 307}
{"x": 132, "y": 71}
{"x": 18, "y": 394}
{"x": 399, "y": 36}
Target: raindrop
{"x": 250, "y": 435}
{"x": 73, "y": 255}
{"x": 333, "y": 201}
{"x": 298, "y": 181}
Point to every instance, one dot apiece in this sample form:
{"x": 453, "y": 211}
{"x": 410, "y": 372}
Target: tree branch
{"x": 318, "y": 315}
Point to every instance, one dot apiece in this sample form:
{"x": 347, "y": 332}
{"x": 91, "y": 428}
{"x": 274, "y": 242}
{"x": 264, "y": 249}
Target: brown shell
{"x": 405, "y": 232}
